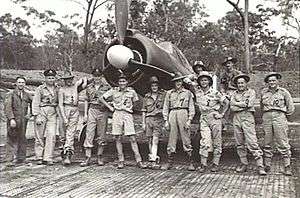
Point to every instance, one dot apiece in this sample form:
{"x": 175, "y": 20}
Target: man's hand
{"x": 38, "y": 120}
{"x": 218, "y": 116}
{"x": 28, "y": 116}
{"x": 187, "y": 125}
{"x": 167, "y": 126}
{"x": 13, "y": 123}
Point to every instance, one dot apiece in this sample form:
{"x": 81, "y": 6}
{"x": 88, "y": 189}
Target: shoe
{"x": 120, "y": 165}
{"x": 50, "y": 163}
{"x": 241, "y": 169}
{"x": 154, "y": 166}
{"x": 67, "y": 160}
{"x": 141, "y": 165}
{"x": 167, "y": 166}
{"x": 202, "y": 168}
{"x": 87, "y": 162}
{"x": 215, "y": 168}
{"x": 288, "y": 171}
{"x": 191, "y": 167}
{"x": 261, "y": 171}
{"x": 39, "y": 162}
{"x": 267, "y": 169}
{"x": 11, "y": 164}
{"x": 100, "y": 161}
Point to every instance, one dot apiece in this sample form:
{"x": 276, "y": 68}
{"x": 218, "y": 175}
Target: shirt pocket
{"x": 278, "y": 101}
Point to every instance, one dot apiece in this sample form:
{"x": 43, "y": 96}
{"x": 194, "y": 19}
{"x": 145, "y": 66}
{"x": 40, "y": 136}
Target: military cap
{"x": 178, "y": 76}
{"x": 49, "y": 72}
{"x": 67, "y": 75}
{"x": 122, "y": 76}
{"x": 278, "y": 76}
{"x": 229, "y": 59}
{"x": 21, "y": 77}
{"x": 244, "y": 76}
{"x": 153, "y": 79}
{"x": 205, "y": 74}
{"x": 97, "y": 72}
{"x": 199, "y": 64}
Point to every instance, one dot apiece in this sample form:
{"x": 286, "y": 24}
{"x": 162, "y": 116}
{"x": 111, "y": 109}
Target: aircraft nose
{"x": 119, "y": 55}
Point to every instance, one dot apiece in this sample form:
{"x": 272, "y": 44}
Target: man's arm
{"x": 191, "y": 107}
{"x": 36, "y": 101}
{"x": 290, "y": 108}
{"x": 61, "y": 105}
{"x": 166, "y": 107}
{"x": 8, "y": 108}
{"x": 103, "y": 100}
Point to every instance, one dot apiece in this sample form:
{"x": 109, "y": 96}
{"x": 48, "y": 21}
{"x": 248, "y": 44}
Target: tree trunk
{"x": 247, "y": 47}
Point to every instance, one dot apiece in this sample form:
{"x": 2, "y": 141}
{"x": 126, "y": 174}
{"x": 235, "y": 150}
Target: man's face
{"x": 204, "y": 82}
{"x": 198, "y": 69}
{"x": 272, "y": 82}
{"x": 122, "y": 83}
{"x": 154, "y": 87}
{"x": 50, "y": 80}
{"x": 69, "y": 81}
{"x": 178, "y": 84}
{"x": 21, "y": 83}
{"x": 241, "y": 84}
{"x": 229, "y": 66}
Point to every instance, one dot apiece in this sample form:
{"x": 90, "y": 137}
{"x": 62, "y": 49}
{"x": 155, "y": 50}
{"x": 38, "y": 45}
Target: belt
{"x": 97, "y": 106}
{"x": 49, "y": 105}
{"x": 275, "y": 110}
{"x": 70, "y": 105}
{"x": 178, "y": 108}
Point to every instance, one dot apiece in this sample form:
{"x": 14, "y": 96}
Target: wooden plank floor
{"x": 31, "y": 180}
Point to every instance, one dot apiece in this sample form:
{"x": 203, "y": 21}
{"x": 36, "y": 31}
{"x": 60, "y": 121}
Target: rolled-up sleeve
{"x": 191, "y": 106}
{"x": 166, "y": 106}
{"x": 290, "y": 108}
{"x": 36, "y": 101}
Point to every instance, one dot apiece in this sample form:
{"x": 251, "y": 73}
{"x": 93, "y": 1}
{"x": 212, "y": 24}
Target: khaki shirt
{"x": 280, "y": 100}
{"x": 227, "y": 79}
{"x": 94, "y": 93}
{"x": 151, "y": 106}
{"x": 69, "y": 95}
{"x": 243, "y": 101}
{"x": 44, "y": 96}
{"x": 181, "y": 99}
{"x": 209, "y": 101}
{"x": 122, "y": 100}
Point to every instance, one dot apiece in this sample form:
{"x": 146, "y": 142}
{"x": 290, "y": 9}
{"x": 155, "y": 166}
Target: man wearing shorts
{"x": 152, "y": 119}
{"x": 123, "y": 98}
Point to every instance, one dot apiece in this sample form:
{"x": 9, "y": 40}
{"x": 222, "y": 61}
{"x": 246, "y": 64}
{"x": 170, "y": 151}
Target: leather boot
{"x": 88, "y": 154}
{"x": 100, "y": 161}
{"x": 261, "y": 171}
{"x": 169, "y": 164}
{"x": 288, "y": 171}
{"x": 191, "y": 166}
{"x": 241, "y": 169}
{"x": 67, "y": 160}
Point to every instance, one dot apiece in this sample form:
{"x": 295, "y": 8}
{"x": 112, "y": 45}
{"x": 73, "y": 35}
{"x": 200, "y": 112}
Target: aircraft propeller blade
{"x": 131, "y": 61}
{"x": 121, "y": 15}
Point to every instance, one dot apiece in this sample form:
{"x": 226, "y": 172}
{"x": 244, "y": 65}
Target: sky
{"x": 215, "y": 8}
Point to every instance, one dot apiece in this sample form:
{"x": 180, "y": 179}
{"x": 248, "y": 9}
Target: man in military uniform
{"x": 212, "y": 105}
{"x": 44, "y": 108}
{"x": 123, "y": 99}
{"x": 16, "y": 109}
{"x": 152, "y": 119}
{"x": 227, "y": 75}
{"x": 178, "y": 112}
{"x": 277, "y": 104}
{"x": 68, "y": 106}
{"x": 242, "y": 105}
{"x": 96, "y": 115}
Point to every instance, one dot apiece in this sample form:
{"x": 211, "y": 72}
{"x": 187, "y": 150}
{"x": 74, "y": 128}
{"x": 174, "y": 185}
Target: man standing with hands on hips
{"x": 276, "y": 104}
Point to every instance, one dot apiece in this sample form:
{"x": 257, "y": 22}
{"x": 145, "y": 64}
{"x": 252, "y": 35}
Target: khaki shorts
{"x": 122, "y": 123}
{"x": 153, "y": 126}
